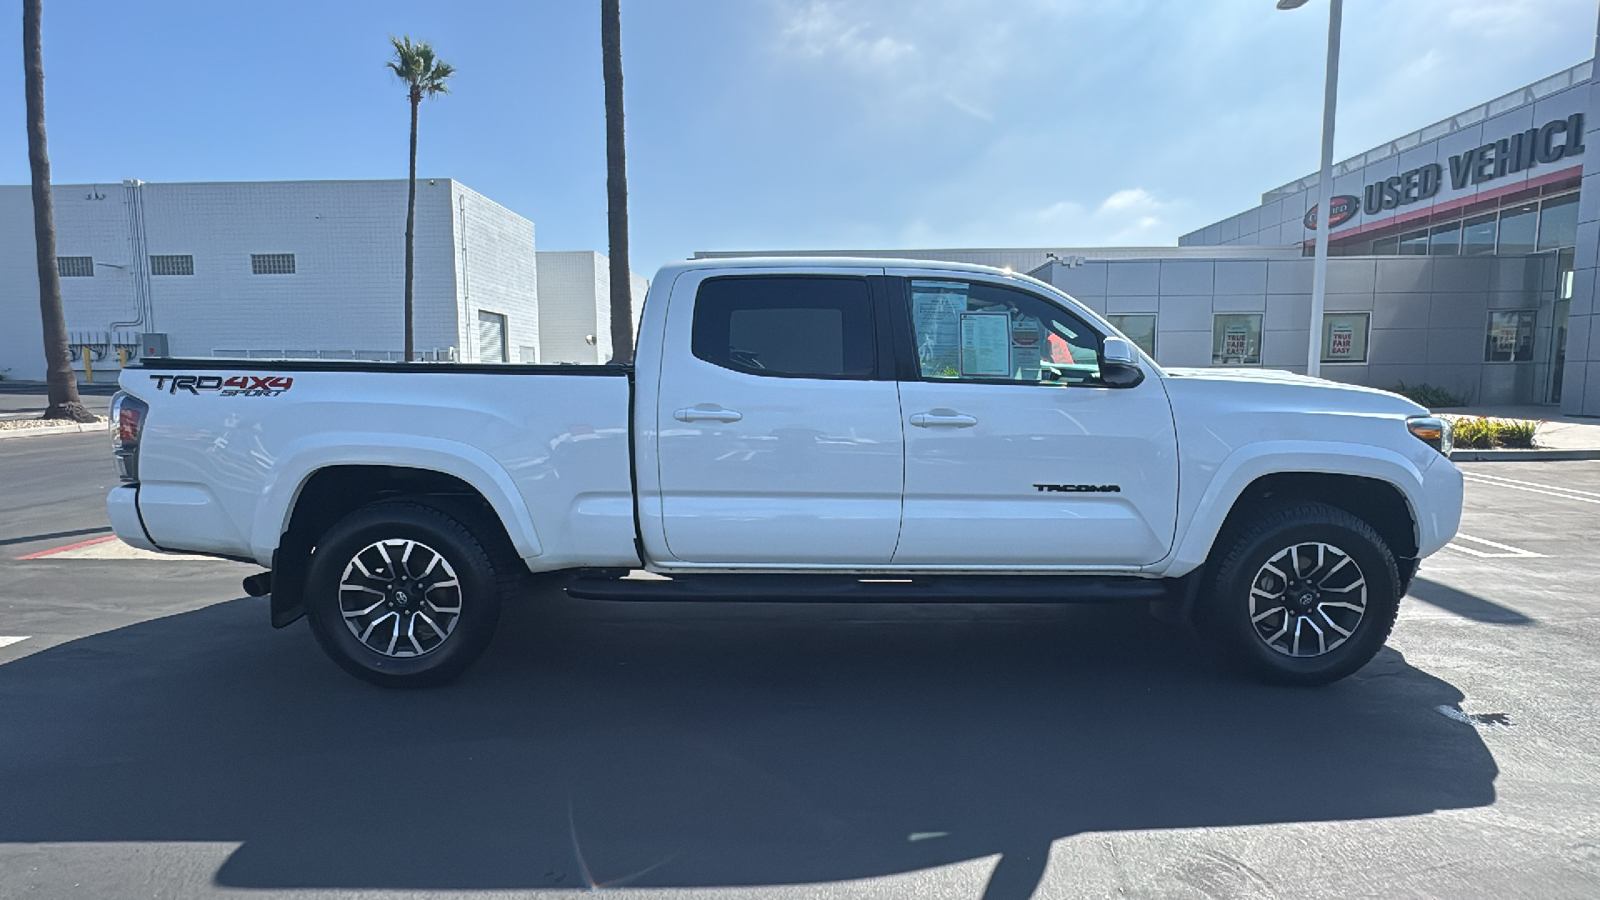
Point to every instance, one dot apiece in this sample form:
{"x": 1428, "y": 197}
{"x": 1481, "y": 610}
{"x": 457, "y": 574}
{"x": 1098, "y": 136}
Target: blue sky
{"x": 781, "y": 123}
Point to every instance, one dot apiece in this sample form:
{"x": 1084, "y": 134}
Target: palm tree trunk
{"x": 62, "y": 383}
{"x": 411, "y": 221}
{"x": 616, "y": 184}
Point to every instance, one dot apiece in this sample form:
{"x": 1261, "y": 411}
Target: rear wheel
{"x": 403, "y": 594}
{"x": 1305, "y": 593}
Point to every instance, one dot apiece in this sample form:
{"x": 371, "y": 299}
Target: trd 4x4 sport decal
{"x": 233, "y": 386}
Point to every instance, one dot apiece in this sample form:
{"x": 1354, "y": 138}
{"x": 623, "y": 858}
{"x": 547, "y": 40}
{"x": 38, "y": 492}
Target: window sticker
{"x": 1342, "y": 344}
{"x": 1505, "y": 335}
{"x": 1234, "y": 339}
{"x": 1027, "y": 345}
{"x": 986, "y": 345}
{"x": 936, "y": 308}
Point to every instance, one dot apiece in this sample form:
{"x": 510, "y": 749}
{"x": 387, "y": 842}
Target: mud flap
{"x": 289, "y": 566}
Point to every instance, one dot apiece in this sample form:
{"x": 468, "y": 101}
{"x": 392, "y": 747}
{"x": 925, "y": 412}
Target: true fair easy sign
{"x": 1548, "y": 143}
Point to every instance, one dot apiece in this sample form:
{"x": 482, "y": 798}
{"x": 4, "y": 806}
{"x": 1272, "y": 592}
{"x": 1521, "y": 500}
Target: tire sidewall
{"x": 480, "y": 601}
{"x": 1230, "y": 607}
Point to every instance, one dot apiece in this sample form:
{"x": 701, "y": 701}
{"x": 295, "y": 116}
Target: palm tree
{"x": 616, "y": 184}
{"x": 424, "y": 75}
{"x": 62, "y": 384}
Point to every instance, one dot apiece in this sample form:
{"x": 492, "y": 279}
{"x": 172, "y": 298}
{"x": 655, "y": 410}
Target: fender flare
{"x": 1245, "y": 465}
{"x": 306, "y": 457}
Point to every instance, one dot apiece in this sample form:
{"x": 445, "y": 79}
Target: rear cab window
{"x": 786, "y": 326}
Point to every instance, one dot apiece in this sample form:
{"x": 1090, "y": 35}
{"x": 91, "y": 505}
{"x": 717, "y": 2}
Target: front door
{"x": 1016, "y": 453}
{"x": 779, "y": 432}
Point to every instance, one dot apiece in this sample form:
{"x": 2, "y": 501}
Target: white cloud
{"x": 820, "y": 30}
{"x": 1129, "y": 217}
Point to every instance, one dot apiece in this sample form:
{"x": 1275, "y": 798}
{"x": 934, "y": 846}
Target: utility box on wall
{"x": 152, "y": 344}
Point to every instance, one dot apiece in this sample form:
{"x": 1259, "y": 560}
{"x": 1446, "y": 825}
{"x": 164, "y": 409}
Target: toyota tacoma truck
{"x": 816, "y": 429}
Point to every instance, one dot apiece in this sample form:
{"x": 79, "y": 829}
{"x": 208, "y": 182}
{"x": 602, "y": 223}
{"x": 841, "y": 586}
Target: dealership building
{"x": 295, "y": 269}
{"x": 1463, "y": 256}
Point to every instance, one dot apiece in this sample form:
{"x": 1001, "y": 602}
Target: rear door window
{"x": 786, "y": 326}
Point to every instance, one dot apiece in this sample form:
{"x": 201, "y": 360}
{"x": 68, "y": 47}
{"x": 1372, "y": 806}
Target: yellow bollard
{"x": 88, "y": 365}
{"x": 122, "y": 357}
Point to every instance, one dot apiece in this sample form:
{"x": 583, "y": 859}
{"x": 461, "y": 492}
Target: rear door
{"x": 779, "y": 433}
{"x": 1017, "y": 454}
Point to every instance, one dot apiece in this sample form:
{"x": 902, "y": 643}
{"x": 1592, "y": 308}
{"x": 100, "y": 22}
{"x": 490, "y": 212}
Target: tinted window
{"x": 1558, "y": 223}
{"x": 1516, "y": 229}
{"x": 812, "y": 327}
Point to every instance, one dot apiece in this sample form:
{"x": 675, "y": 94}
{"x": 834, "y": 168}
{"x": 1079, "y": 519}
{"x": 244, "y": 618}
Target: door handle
{"x": 943, "y": 418}
{"x": 706, "y": 413}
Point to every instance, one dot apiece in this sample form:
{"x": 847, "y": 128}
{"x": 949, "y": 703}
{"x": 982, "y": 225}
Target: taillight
{"x": 128, "y": 413}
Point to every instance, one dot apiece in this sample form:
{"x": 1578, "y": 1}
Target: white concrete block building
{"x": 297, "y": 269}
{"x": 575, "y": 306}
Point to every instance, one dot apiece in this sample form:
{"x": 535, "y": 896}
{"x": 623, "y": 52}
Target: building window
{"x": 491, "y": 337}
{"x": 1139, "y": 328}
{"x": 1344, "y": 337}
{"x": 179, "y": 264}
{"x": 785, "y": 326}
{"x": 1414, "y": 243}
{"x": 1510, "y": 336}
{"x": 1477, "y": 235}
{"x": 272, "y": 263}
{"x": 1517, "y": 229}
{"x": 1388, "y": 246}
{"x": 75, "y": 266}
{"x": 1558, "y": 222}
{"x": 1236, "y": 339}
{"x": 1445, "y": 240}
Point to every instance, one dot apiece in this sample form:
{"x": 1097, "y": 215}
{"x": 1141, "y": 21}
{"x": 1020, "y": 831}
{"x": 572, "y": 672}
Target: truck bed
{"x": 230, "y": 444}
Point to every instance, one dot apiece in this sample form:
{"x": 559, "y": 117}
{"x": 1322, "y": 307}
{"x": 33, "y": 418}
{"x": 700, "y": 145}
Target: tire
{"x": 434, "y": 588}
{"x": 1322, "y": 597}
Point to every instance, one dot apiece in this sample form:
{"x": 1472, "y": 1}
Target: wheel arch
{"x": 298, "y": 510}
{"x": 1381, "y": 488}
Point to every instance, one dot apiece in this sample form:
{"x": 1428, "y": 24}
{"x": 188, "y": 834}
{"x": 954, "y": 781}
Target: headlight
{"x": 1434, "y": 431}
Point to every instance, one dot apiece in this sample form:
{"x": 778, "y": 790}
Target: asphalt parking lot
{"x": 157, "y": 738}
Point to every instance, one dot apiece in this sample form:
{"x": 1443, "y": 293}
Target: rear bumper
{"x": 122, "y": 506}
{"x": 1440, "y": 515}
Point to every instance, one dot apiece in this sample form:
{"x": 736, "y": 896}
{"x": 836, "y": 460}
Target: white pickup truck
{"x": 822, "y": 429}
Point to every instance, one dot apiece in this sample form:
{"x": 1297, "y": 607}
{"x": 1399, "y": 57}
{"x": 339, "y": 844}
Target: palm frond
{"x": 416, "y": 64}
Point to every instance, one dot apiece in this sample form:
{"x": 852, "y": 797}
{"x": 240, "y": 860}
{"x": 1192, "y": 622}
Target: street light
{"x": 1319, "y": 276}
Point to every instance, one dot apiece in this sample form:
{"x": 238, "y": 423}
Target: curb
{"x": 1520, "y": 455}
{"x": 73, "y": 428}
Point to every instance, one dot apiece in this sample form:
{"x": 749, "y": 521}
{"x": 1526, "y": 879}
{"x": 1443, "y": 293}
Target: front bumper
{"x": 122, "y": 506}
{"x": 1440, "y": 515}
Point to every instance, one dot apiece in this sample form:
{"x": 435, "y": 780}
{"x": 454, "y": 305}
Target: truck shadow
{"x": 700, "y": 746}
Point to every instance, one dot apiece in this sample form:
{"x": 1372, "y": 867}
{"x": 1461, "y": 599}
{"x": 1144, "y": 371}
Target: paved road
{"x": 158, "y": 739}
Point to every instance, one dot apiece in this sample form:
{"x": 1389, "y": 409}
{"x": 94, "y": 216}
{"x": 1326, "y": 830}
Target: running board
{"x": 877, "y": 589}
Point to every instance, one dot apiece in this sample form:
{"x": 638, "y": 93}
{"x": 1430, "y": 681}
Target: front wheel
{"x": 1305, "y": 593}
{"x": 403, "y": 594}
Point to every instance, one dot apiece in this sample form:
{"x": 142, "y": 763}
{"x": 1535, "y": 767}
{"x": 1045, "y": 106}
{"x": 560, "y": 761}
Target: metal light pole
{"x": 1319, "y": 276}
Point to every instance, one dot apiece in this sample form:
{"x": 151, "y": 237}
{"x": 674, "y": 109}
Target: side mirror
{"x": 1119, "y": 364}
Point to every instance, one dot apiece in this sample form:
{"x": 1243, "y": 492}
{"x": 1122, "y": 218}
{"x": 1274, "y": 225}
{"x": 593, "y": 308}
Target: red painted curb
{"x": 54, "y": 550}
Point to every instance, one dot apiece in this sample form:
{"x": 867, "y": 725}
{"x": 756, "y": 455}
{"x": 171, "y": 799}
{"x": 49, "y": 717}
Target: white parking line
{"x": 6, "y": 641}
{"x": 1533, "y": 487}
{"x": 1506, "y": 551}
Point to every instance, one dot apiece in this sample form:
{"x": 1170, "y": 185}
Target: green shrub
{"x": 1474, "y": 433}
{"x": 1517, "y": 433}
{"x": 1484, "y": 433}
{"x": 1429, "y": 395}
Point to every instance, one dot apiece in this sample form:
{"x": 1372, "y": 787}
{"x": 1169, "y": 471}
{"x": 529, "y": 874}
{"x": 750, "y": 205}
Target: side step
{"x": 877, "y": 589}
